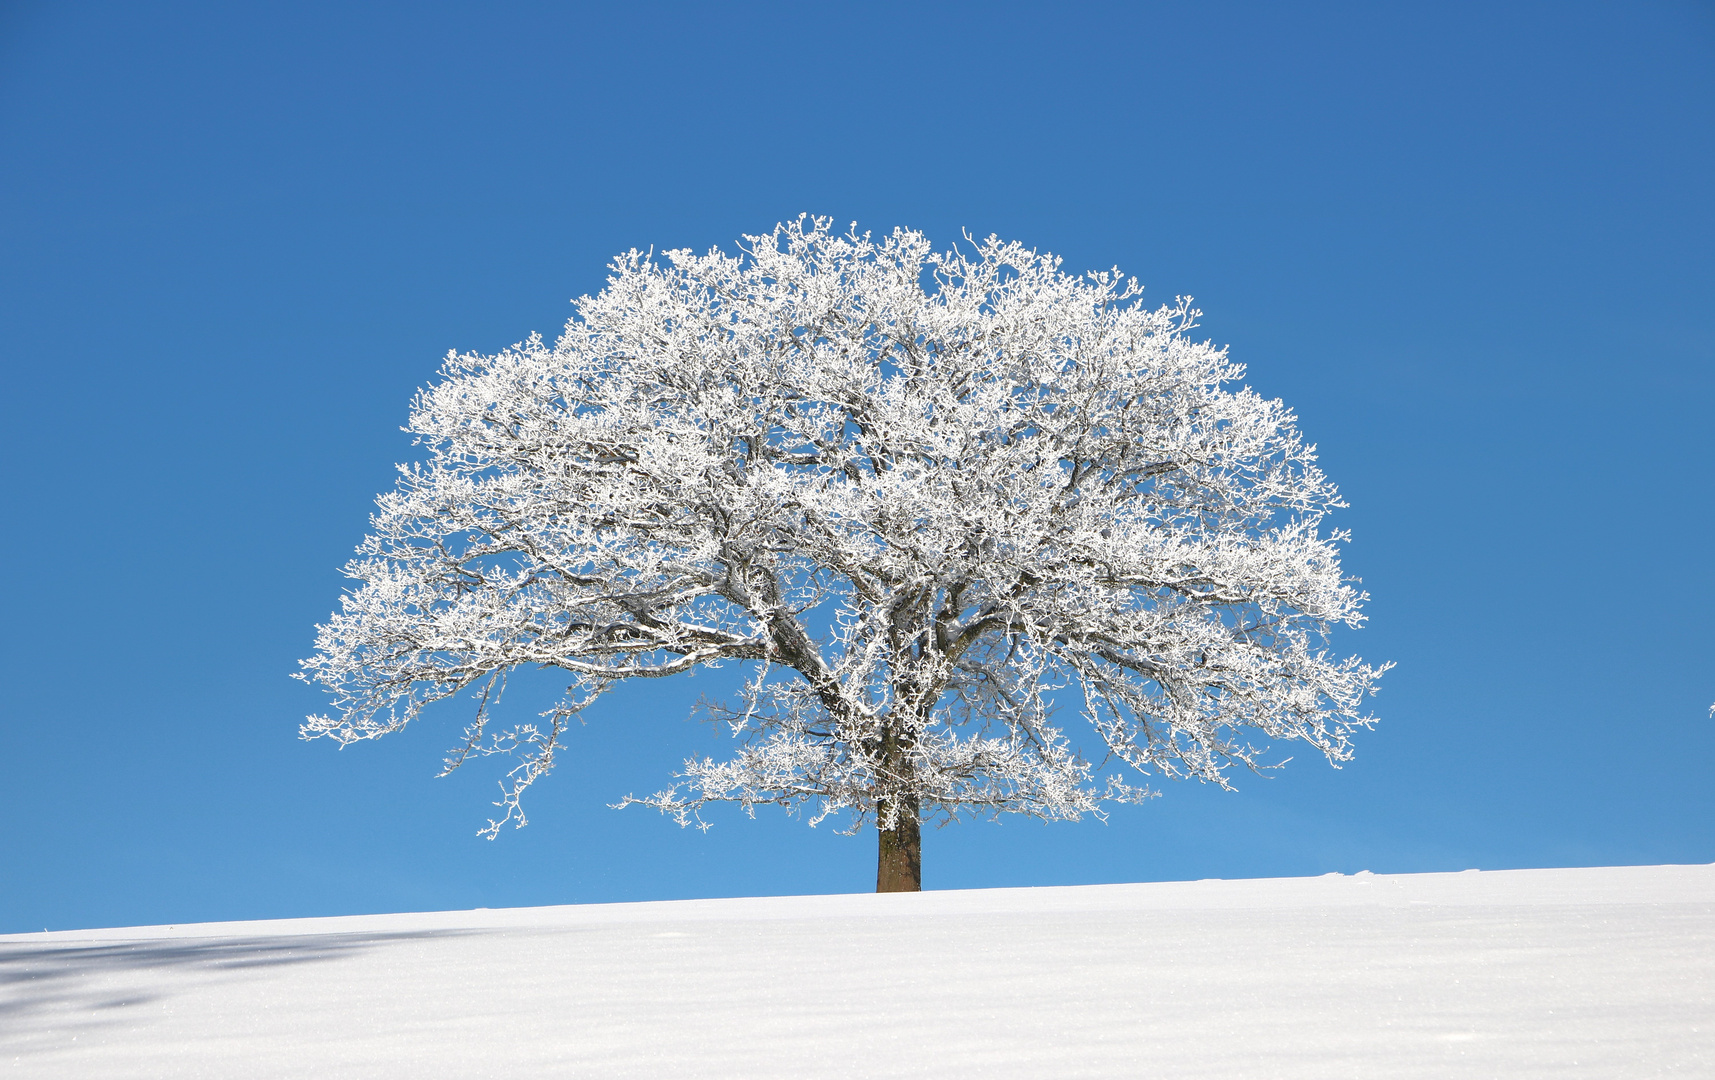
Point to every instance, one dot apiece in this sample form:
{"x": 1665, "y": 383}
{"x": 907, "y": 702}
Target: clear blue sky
{"x": 1472, "y": 245}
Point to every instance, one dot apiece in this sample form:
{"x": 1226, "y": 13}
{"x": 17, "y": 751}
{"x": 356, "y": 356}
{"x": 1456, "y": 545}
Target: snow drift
{"x": 1595, "y": 972}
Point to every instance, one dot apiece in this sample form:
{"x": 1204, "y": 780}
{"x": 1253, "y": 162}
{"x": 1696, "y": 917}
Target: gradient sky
{"x": 1472, "y": 245}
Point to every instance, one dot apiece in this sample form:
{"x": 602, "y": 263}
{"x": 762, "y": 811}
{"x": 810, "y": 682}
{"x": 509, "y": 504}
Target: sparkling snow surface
{"x": 1599, "y": 973}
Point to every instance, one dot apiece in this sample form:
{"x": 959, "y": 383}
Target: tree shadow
{"x": 52, "y": 989}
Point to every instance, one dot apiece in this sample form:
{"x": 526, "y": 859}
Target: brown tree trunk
{"x": 899, "y": 863}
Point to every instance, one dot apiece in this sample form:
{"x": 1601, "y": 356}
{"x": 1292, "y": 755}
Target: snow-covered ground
{"x": 1563, "y": 973}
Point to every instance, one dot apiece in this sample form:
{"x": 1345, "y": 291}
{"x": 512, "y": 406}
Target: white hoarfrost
{"x": 922, "y": 493}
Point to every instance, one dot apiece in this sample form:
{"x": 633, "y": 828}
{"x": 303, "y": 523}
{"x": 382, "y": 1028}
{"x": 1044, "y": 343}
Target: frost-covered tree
{"x": 925, "y": 496}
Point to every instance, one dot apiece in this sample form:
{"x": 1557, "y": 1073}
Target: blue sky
{"x": 1472, "y": 245}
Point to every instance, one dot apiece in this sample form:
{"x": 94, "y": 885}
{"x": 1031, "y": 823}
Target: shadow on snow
{"x": 50, "y": 993}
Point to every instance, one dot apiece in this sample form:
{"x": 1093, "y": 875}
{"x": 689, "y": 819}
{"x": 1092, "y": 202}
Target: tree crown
{"x": 924, "y": 494}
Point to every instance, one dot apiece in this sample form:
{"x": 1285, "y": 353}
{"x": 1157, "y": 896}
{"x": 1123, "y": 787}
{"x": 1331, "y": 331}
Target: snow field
{"x": 1606, "y": 972}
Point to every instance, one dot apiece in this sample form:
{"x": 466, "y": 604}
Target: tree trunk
{"x": 899, "y": 863}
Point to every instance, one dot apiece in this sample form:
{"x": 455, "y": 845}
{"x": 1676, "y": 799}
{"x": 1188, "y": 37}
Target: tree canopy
{"x": 928, "y": 497}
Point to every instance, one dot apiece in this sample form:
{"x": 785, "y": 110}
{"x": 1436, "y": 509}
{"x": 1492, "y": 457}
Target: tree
{"x": 922, "y": 495}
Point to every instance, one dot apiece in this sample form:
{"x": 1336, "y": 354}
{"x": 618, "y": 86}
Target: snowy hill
{"x": 1597, "y": 972}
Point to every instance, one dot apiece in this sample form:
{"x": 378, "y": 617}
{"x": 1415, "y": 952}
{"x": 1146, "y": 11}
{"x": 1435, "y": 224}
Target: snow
{"x": 1590, "y": 972}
